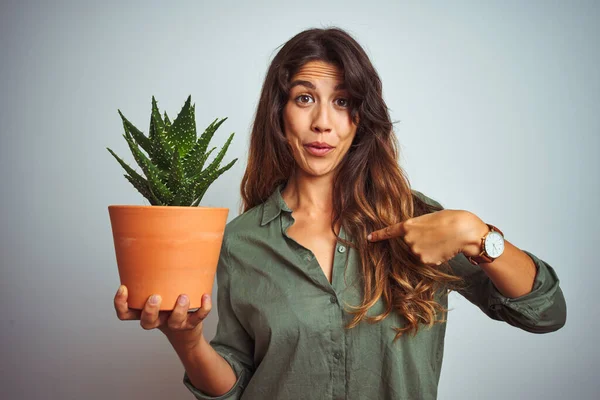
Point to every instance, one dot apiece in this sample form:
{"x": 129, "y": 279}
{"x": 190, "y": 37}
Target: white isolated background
{"x": 498, "y": 106}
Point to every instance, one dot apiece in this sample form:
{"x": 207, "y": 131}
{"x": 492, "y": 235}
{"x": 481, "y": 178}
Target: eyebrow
{"x": 308, "y": 84}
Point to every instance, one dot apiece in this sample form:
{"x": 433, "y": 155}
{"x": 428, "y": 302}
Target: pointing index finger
{"x": 388, "y": 232}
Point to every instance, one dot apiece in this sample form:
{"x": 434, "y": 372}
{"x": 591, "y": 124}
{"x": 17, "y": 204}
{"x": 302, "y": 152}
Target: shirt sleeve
{"x": 231, "y": 340}
{"x": 542, "y": 310}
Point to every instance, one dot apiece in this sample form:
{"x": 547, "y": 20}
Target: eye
{"x": 345, "y": 102}
{"x": 303, "y": 96}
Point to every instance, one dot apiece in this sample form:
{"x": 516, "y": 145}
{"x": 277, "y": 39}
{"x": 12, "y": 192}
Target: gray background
{"x": 498, "y": 104}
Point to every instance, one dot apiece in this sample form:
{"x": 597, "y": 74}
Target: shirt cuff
{"x": 234, "y": 393}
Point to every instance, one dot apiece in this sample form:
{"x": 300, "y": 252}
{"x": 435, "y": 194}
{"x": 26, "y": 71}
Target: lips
{"x": 318, "y": 151}
{"x": 319, "y": 145}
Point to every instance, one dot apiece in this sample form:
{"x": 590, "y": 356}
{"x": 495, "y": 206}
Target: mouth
{"x": 319, "y": 145}
{"x": 318, "y": 150}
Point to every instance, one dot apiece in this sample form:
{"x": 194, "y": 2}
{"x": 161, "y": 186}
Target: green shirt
{"x": 281, "y": 323}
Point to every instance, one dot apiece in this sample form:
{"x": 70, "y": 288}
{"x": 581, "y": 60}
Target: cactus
{"x": 174, "y": 161}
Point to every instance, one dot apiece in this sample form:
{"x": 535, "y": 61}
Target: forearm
{"x": 207, "y": 370}
{"x": 513, "y": 273}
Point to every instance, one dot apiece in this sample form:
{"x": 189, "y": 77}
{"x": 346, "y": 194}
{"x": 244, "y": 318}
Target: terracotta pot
{"x": 167, "y": 250}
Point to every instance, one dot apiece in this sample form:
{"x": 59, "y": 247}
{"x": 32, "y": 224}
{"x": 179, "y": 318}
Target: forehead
{"x": 314, "y": 70}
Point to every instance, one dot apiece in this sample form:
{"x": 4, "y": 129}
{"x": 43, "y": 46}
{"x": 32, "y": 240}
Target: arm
{"x": 222, "y": 368}
{"x": 518, "y": 287}
{"x": 542, "y": 310}
{"x": 513, "y": 273}
{"x": 205, "y": 368}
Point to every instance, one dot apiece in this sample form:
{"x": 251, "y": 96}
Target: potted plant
{"x": 171, "y": 246}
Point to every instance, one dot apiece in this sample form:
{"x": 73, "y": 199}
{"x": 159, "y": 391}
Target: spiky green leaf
{"x": 152, "y": 173}
{"x": 137, "y": 135}
{"x": 176, "y": 173}
{"x": 161, "y": 146}
{"x": 184, "y": 195}
{"x": 156, "y": 121}
{"x": 125, "y": 166}
{"x": 204, "y": 184}
{"x": 136, "y": 179}
{"x": 196, "y": 161}
{"x": 217, "y": 161}
{"x": 183, "y": 129}
{"x": 144, "y": 191}
{"x": 167, "y": 121}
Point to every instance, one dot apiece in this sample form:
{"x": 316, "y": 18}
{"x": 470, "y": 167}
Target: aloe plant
{"x": 174, "y": 161}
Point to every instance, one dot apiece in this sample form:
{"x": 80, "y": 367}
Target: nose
{"x": 321, "y": 119}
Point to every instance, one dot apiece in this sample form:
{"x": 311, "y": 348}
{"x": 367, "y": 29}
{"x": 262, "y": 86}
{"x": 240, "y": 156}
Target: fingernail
{"x": 154, "y": 299}
{"x": 369, "y": 236}
{"x": 206, "y": 297}
{"x": 121, "y": 289}
{"x": 182, "y": 299}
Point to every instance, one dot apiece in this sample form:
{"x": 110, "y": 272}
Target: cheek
{"x": 349, "y": 138}
{"x": 292, "y": 125}
{"x": 287, "y": 120}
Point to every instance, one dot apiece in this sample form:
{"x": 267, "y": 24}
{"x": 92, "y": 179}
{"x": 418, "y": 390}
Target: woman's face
{"x": 317, "y": 120}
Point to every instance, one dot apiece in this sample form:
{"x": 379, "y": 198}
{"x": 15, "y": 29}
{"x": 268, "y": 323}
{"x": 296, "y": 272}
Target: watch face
{"x": 494, "y": 244}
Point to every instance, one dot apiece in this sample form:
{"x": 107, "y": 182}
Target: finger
{"x": 149, "y": 318}
{"x": 179, "y": 314}
{"x": 198, "y": 316}
{"x": 123, "y": 311}
{"x": 388, "y": 232}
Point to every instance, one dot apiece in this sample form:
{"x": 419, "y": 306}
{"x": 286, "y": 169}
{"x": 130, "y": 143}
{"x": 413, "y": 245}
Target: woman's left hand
{"x": 439, "y": 236}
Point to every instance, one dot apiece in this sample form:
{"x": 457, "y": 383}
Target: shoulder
{"x": 246, "y": 222}
{"x": 245, "y": 240}
{"x": 241, "y": 231}
{"x": 427, "y": 200}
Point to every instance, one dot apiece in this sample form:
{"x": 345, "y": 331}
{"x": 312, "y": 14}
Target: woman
{"x": 333, "y": 282}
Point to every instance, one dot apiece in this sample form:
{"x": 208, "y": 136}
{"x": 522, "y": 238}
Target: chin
{"x": 316, "y": 172}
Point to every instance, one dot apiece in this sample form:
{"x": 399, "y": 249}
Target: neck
{"x": 309, "y": 196}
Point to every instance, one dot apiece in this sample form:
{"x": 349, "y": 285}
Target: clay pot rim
{"x": 133, "y": 206}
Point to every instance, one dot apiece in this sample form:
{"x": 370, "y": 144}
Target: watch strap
{"x": 483, "y": 257}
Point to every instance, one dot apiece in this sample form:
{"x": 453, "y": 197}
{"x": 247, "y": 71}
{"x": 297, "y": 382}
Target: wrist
{"x": 188, "y": 339}
{"x": 475, "y": 230}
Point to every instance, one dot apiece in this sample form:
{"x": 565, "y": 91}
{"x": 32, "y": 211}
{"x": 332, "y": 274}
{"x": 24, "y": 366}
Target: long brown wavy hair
{"x": 370, "y": 191}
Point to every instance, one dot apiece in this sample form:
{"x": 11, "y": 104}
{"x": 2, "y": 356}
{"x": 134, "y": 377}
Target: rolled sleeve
{"x": 231, "y": 340}
{"x": 540, "y": 311}
{"x": 234, "y": 393}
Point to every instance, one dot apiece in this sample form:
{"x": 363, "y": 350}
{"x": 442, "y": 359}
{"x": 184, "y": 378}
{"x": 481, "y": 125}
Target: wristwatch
{"x": 492, "y": 246}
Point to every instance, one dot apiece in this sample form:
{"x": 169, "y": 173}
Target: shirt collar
{"x": 274, "y": 205}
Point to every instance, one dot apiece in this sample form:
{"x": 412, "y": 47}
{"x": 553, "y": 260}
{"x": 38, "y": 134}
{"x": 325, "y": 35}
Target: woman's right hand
{"x": 176, "y": 322}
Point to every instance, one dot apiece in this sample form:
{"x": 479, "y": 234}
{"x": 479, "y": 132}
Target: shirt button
{"x": 337, "y": 355}
{"x": 333, "y": 300}
{"x": 342, "y": 249}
